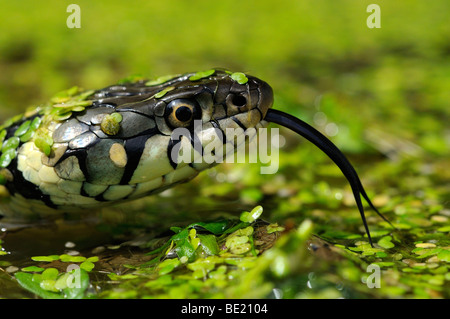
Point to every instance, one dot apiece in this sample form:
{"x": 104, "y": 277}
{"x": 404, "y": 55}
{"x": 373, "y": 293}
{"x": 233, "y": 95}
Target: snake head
{"x": 123, "y": 142}
{"x": 177, "y": 101}
{"x": 240, "y": 98}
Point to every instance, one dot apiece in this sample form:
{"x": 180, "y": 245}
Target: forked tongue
{"x": 318, "y": 139}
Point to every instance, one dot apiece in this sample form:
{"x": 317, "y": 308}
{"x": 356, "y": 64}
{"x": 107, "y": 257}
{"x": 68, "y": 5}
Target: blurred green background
{"x": 381, "y": 95}
{"x": 394, "y": 79}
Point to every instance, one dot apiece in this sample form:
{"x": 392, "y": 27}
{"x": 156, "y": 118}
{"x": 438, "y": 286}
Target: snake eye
{"x": 180, "y": 112}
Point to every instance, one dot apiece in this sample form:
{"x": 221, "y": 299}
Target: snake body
{"x": 85, "y": 149}
{"x": 89, "y": 148}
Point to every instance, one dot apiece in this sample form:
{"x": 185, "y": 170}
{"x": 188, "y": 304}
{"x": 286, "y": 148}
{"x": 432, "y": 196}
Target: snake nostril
{"x": 239, "y": 100}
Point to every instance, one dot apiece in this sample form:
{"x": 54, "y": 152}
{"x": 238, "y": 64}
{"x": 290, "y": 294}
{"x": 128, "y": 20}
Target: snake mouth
{"x": 323, "y": 143}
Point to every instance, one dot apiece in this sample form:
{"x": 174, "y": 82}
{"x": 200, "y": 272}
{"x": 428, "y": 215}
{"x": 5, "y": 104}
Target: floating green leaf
{"x": 2, "y": 136}
{"x": 45, "y": 258}
{"x": 32, "y": 269}
{"x": 201, "y": 75}
{"x": 113, "y": 276}
{"x": 50, "y": 274}
{"x": 272, "y": 228}
{"x": 184, "y": 247}
{"x": 77, "y": 288}
{"x": 73, "y": 105}
{"x": 444, "y": 255}
{"x": 110, "y": 124}
{"x": 11, "y": 143}
{"x": 215, "y": 227}
{"x": 386, "y": 242}
{"x": 427, "y": 252}
{"x": 72, "y": 259}
{"x": 384, "y": 264}
{"x": 239, "y": 77}
{"x": 23, "y": 128}
{"x": 444, "y": 229}
{"x": 163, "y": 92}
{"x": 87, "y": 265}
{"x": 7, "y": 156}
{"x": 93, "y": 259}
{"x": 27, "y": 282}
{"x": 250, "y": 217}
{"x": 168, "y": 266}
{"x": 209, "y": 244}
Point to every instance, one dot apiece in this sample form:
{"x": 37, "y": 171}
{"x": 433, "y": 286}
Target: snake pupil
{"x": 183, "y": 114}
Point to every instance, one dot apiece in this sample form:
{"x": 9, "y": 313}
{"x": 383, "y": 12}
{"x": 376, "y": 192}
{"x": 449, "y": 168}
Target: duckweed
{"x": 272, "y": 228}
{"x": 2, "y": 136}
{"x": 32, "y": 269}
{"x": 23, "y": 128}
{"x": 444, "y": 255}
{"x": 444, "y": 229}
{"x": 386, "y": 242}
{"x": 167, "y": 266}
{"x": 205, "y": 273}
{"x": 387, "y": 94}
{"x": 110, "y": 123}
{"x": 61, "y": 108}
{"x": 7, "y": 157}
{"x": 45, "y": 258}
{"x": 163, "y": 92}
{"x": 250, "y": 217}
{"x": 11, "y": 144}
{"x": 239, "y": 77}
{"x": 218, "y": 256}
{"x": 201, "y": 75}
{"x": 51, "y": 283}
{"x": 43, "y": 141}
{"x": 26, "y": 136}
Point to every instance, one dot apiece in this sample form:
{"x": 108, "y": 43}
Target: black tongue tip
{"x": 311, "y": 134}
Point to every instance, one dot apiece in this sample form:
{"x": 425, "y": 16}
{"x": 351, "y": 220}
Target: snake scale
{"x": 85, "y": 149}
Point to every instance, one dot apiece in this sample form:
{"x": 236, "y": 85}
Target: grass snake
{"x": 84, "y": 149}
